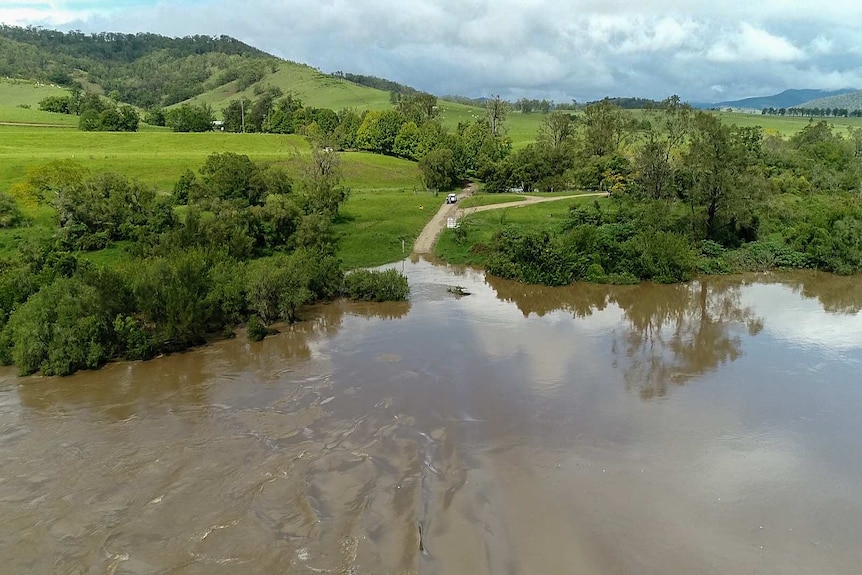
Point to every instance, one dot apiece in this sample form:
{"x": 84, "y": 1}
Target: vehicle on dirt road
{"x": 451, "y": 198}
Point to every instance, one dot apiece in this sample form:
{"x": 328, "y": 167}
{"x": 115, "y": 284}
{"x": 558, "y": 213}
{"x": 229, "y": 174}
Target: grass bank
{"x": 467, "y": 245}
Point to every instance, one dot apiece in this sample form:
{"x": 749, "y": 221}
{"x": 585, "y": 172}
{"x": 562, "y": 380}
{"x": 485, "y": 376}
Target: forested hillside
{"x": 849, "y": 101}
{"x": 147, "y": 70}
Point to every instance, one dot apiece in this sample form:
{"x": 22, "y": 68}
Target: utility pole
{"x": 242, "y": 113}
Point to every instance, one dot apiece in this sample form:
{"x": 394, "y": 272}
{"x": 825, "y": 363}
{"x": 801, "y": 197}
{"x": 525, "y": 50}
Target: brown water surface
{"x": 704, "y": 428}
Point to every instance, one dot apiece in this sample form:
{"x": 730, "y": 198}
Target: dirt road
{"x": 426, "y": 240}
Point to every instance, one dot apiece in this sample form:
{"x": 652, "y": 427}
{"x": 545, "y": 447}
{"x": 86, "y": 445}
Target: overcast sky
{"x": 703, "y": 50}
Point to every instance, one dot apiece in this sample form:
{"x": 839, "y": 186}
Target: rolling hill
{"x": 785, "y": 99}
{"x": 311, "y": 86}
{"x": 149, "y": 71}
{"x": 850, "y": 101}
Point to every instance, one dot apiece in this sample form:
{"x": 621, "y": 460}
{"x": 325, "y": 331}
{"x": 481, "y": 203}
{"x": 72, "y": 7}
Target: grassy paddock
{"x": 783, "y": 126}
{"x": 15, "y": 92}
{"x": 382, "y": 208}
{"x": 479, "y": 228}
{"x": 373, "y": 223}
{"x": 158, "y": 157}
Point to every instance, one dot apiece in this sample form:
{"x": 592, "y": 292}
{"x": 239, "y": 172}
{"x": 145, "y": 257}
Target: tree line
{"x": 812, "y": 112}
{"x": 96, "y": 113}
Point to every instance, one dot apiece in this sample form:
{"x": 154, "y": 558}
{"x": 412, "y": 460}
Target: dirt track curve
{"x": 426, "y": 240}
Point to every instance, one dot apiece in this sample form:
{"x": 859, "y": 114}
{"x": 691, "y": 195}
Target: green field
{"x": 14, "y": 92}
{"x": 521, "y": 128}
{"x": 383, "y": 208}
{"x": 158, "y": 157}
{"x": 783, "y": 126}
{"x": 479, "y": 228}
{"x": 373, "y": 223}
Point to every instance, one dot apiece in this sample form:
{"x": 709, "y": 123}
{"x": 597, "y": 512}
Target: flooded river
{"x": 709, "y": 428}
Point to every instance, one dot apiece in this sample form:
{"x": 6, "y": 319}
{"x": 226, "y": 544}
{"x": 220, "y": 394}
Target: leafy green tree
{"x": 407, "y": 141}
{"x": 320, "y": 188}
{"x": 10, "y": 214}
{"x": 90, "y": 121}
{"x": 278, "y": 286}
{"x": 348, "y": 126}
{"x": 155, "y": 117}
{"x": 378, "y": 131}
{"x": 59, "y": 330}
{"x": 557, "y": 130}
{"x": 605, "y": 127}
{"x": 190, "y": 118}
{"x": 376, "y": 285}
{"x": 717, "y": 160}
{"x": 656, "y": 161}
{"x": 233, "y": 115}
{"x": 171, "y": 295}
{"x": 418, "y": 107}
{"x": 231, "y": 176}
{"x": 438, "y": 170}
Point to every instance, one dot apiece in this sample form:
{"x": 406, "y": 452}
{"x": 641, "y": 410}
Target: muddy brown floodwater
{"x": 711, "y": 427}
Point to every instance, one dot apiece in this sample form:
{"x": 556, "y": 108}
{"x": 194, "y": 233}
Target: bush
{"x": 10, "y": 215}
{"x": 660, "y": 256}
{"x": 374, "y": 285}
{"x": 256, "y": 330}
{"x": 58, "y": 330}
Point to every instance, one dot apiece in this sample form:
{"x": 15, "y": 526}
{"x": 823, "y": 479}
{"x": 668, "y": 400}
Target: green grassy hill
{"x": 14, "y": 92}
{"x": 314, "y": 88}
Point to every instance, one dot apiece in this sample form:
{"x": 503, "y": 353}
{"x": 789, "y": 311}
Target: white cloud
{"x": 752, "y": 44}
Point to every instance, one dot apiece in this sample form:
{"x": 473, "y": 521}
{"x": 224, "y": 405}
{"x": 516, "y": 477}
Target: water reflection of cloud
{"x": 801, "y": 321}
{"x": 550, "y": 347}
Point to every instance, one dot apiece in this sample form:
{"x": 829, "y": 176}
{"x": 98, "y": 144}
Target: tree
{"x": 717, "y": 159}
{"x": 348, "y": 125}
{"x": 418, "y": 108}
{"x": 438, "y": 169}
{"x": 230, "y": 176}
{"x": 496, "y": 112}
{"x": 669, "y": 125}
{"x": 379, "y": 130}
{"x": 322, "y": 192}
{"x": 557, "y": 130}
{"x": 407, "y": 141}
{"x": 605, "y": 126}
{"x": 191, "y": 118}
{"x": 278, "y": 287}
{"x": 233, "y": 115}
{"x": 56, "y": 184}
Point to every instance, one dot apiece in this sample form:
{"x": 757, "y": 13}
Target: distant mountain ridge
{"x": 785, "y": 99}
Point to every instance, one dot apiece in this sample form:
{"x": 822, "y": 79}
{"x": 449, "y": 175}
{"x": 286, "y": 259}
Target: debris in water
{"x": 458, "y": 291}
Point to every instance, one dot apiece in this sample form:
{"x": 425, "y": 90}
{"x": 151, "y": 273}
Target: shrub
{"x": 661, "y": 256}
{"x": 59, "y": 330}
{"x": 374, "y": 285}
{"x": 256, "y": 330}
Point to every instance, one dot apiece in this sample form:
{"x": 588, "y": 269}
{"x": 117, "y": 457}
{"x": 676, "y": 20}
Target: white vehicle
{"x": 451, "y": 198}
